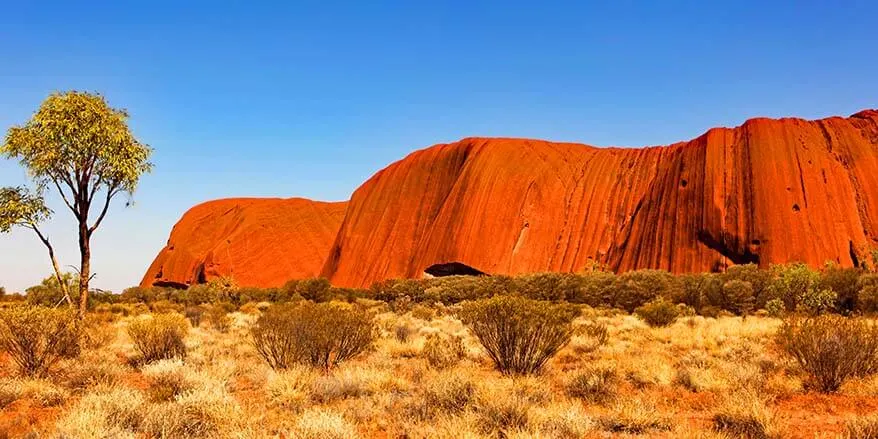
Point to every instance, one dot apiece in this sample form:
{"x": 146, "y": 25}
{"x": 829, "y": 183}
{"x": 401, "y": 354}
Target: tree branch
{"x": 63, "y": 196}
{"x": 111, "y": 192}
{"x": 61, "y": 284}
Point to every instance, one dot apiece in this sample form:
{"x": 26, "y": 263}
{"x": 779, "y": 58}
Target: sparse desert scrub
{"x": 744, "y": 415}
{"x": 443, "y": 351}
{"x": 159, "y": 337}
{"x": 861, "y": 428}
{"x": 520, "y": 335}
{"x": 634, "y": 416}
{"x": 104, "y": 412}
{"x": 594, "y": 384}
{"x": 831, "y": 349}
{"x": 45, "y": 393}
{"x": 36, "y": 338}
{"x": 631, "y": 371}
{"x": 320, "y": 335}
{"x": 323, "y": 424}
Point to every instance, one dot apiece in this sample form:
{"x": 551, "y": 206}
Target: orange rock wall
{"x": 769, "y": 191}
{"x": 259, "y": 242}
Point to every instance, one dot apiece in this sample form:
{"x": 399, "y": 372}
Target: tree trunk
{"x": 58, "y": 276}
{"x": 84, "y": 267}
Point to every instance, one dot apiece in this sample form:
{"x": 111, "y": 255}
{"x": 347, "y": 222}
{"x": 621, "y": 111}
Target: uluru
{"x": 769, "y": 191}
{"x": 257, "y": 242}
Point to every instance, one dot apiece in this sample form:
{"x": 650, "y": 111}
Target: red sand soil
{"x": 259, "y": 242}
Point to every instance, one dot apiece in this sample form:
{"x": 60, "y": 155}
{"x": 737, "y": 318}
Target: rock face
{"x": 769, "y": 191}
{"x": 259, "y": 242}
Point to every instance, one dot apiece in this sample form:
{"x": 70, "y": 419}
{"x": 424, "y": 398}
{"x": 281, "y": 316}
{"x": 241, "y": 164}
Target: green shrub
{"x": 735, "y": 296}
{"x": 790, "y": 282}
{"x": 36, "y": 338}
{"x": 320, "y": 335}
{"x": 831, "y": 348}
{"x": 845, "y": 283}
{"x": 760, "y": 281}
{"x": 547, "y": 286}
{"x": 636, "y": 288}
{"x": 658, "y": 312}
{"x": 816, "y": 301}
{"x": 867, "y": 297}
{"x": 443, "y": 351}
{"x": 160, "y": 337}
{"x": 775, "y": 308}
{"x": 520, "y": 335}
{"x": 692, "y": 289}
{"x": 595, "y": 288}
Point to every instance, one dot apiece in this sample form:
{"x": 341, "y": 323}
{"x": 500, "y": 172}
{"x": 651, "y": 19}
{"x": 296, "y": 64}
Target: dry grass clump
{"x": 448, "y": 394}
{"x": 194, "y": 314}
{"x": 595, "y": 384}
{"x": 167, "y": 379}
{"x": 45, "y": 393}
{"x": 290, "y": 388}
{"x": 9, "y": 392}
{"x": 323, "y": 424}
{"x": 589, "y": 336}
{"x": 831, "y": 349}
{"x": 561, "y": 421}
{"x": 107, "y": 412}
{"x": 865, "y": 427}
{"x": 633, "y": 416}
{"x": 218, "y": 319}
{"x": 37, "y": 338}
{"x": 202, "y": 412}
{"x": 91, "y": 371}
{"x": 520, "y": 335}
{"x": 502, "y": 413}
{"x": 317, "y": 334}
{"x": 327, "y": 388}
{"x": 160, "y": 337}
{"x": 443, "y": 351}
{"x": 744, "y": 415}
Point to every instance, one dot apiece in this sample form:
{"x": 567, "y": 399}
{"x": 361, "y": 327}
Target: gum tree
{"x": 19, "y": 207}
{"x": 82, "y": 147}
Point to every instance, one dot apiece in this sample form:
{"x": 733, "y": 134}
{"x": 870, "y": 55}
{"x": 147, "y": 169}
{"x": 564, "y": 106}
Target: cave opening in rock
{"x": 452, "y": 269}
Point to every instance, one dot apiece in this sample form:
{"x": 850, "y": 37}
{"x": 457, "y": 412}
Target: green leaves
{"x": 21, "y": 207}
{"x": 76, "y": 140}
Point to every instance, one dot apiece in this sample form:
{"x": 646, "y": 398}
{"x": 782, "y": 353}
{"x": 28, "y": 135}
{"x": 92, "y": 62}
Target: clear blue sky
{"x": 310, "y": 98}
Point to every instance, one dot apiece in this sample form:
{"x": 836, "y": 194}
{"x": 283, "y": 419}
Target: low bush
{"x": 596, "y": 385}
{"x": 817, "y": 301}
{"x": 520, "y": 335}
{"x": 160, "y": 337}
{"x": 831, "y": 349}
{"x": 443, "y": 351}
{"x": 636, "y": 288}
{"x": 36, "y": 338}
{"x": 218, "y": 318}
{"x": 659, "y": 312}
{"x": 194, "y": 314}
{"x": 320, "y": 335}
{"x": 775, "y": 308}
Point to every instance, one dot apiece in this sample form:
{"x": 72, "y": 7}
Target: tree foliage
{"x": 82, "y": 147}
